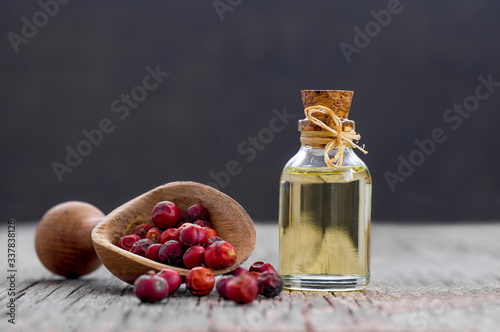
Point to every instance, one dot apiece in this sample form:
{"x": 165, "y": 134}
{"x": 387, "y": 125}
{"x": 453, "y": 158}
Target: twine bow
{"x": 340, "y": 137}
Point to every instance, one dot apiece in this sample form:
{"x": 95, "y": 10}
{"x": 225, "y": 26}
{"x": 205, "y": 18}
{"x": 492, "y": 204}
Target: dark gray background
{"x": 225, "y": 78}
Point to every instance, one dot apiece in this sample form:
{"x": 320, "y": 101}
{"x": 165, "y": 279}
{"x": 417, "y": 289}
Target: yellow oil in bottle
{"x": 325, "y": 228}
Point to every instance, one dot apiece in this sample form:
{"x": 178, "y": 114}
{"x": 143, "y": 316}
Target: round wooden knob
{"x": 63, "y": 239}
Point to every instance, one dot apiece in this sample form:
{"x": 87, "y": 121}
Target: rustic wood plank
{"x": 424, "y": 278}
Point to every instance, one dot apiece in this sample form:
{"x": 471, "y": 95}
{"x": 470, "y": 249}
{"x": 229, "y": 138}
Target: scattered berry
{"x": 150, "y": 287}
{"x": 254, "y": 275}
{"x": 241, "y": 289}
{"x": 172, "y": 278}
{"x": 270, "y": 284}
{"x": 239, "y": 270}
{"x": 200, "y": 281}
{"x": 261, "y": 267}
{"x": 221, "y": 285}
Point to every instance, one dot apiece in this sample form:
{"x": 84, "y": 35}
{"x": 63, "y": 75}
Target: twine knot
{"x": 340, "y": 137}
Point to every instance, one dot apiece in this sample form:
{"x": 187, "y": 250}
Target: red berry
{"x": 203, "y": 223}
{"x": 142, "y": 230}
{"x": 220, "y": 255}
{"x": 180, "y": 223}
{"x": 154, "y": 234}
{"x": 239, "y": 270}
{"x": 194, "y": 256}
{"x": 165, "y": 215}
{"x": 270, "y": 284}
{"x": 210, "y": 232}
{"x": 261, "y": 267}
{"x": 150, "y": 288}
{"x": 242, "y": 289}
{"x": 171, "y": 253}
{"x": 254, "y": 275}
{"x": 192, "y": 235}
{"x": 177, "y": 233}
{"x": 167, "y": 235}
{"x": 212, "y": 240}
{"x": 140, "y": 247}
{"x": 184, "y": 216}
{"x": 221, "y": 285}
{"x": 200, "y": 281}
{"x": 126, "y": 242}
{"x": 152, "y": 252}
{"x": 197, "y": 212}
{"x": 172, "y": 278}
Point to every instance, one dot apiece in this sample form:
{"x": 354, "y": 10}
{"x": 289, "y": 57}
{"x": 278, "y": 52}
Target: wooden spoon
{"x": 228, "y": 218}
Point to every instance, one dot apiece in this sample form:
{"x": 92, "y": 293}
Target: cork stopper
{"x": 338, "y": 100}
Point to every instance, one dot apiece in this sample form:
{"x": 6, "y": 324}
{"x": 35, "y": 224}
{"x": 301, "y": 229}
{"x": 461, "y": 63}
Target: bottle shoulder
{"x": 308, "y": 158}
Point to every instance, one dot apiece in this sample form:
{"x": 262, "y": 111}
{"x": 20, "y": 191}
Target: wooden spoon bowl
{"x": 228, "y": 218}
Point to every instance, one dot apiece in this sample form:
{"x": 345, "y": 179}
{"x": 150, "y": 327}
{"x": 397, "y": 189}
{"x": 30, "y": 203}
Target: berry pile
{"x": 180, "y": 238}
{"x": 242, "y": 286}
{"x": 186, "y": 239}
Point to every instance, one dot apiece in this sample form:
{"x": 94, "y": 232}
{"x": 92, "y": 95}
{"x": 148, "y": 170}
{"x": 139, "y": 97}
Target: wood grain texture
{"x": 338, "y": 100}
{"x": 424, "y": 278}
{"x": 228, "y": 218}
{"x": 62, "y": 239}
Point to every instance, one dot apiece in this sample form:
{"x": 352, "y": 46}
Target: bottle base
{"x": 325, "y": 282}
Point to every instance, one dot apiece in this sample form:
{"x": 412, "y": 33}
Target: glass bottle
{"x": 324, "y": 216}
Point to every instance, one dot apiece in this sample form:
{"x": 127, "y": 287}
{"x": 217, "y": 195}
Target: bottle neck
{"x": 320, "y": 150}
{"x": 318, "y": 139}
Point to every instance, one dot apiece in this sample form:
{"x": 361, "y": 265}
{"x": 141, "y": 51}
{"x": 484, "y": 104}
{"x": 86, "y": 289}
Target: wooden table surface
{"x": 424, "y": 278}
